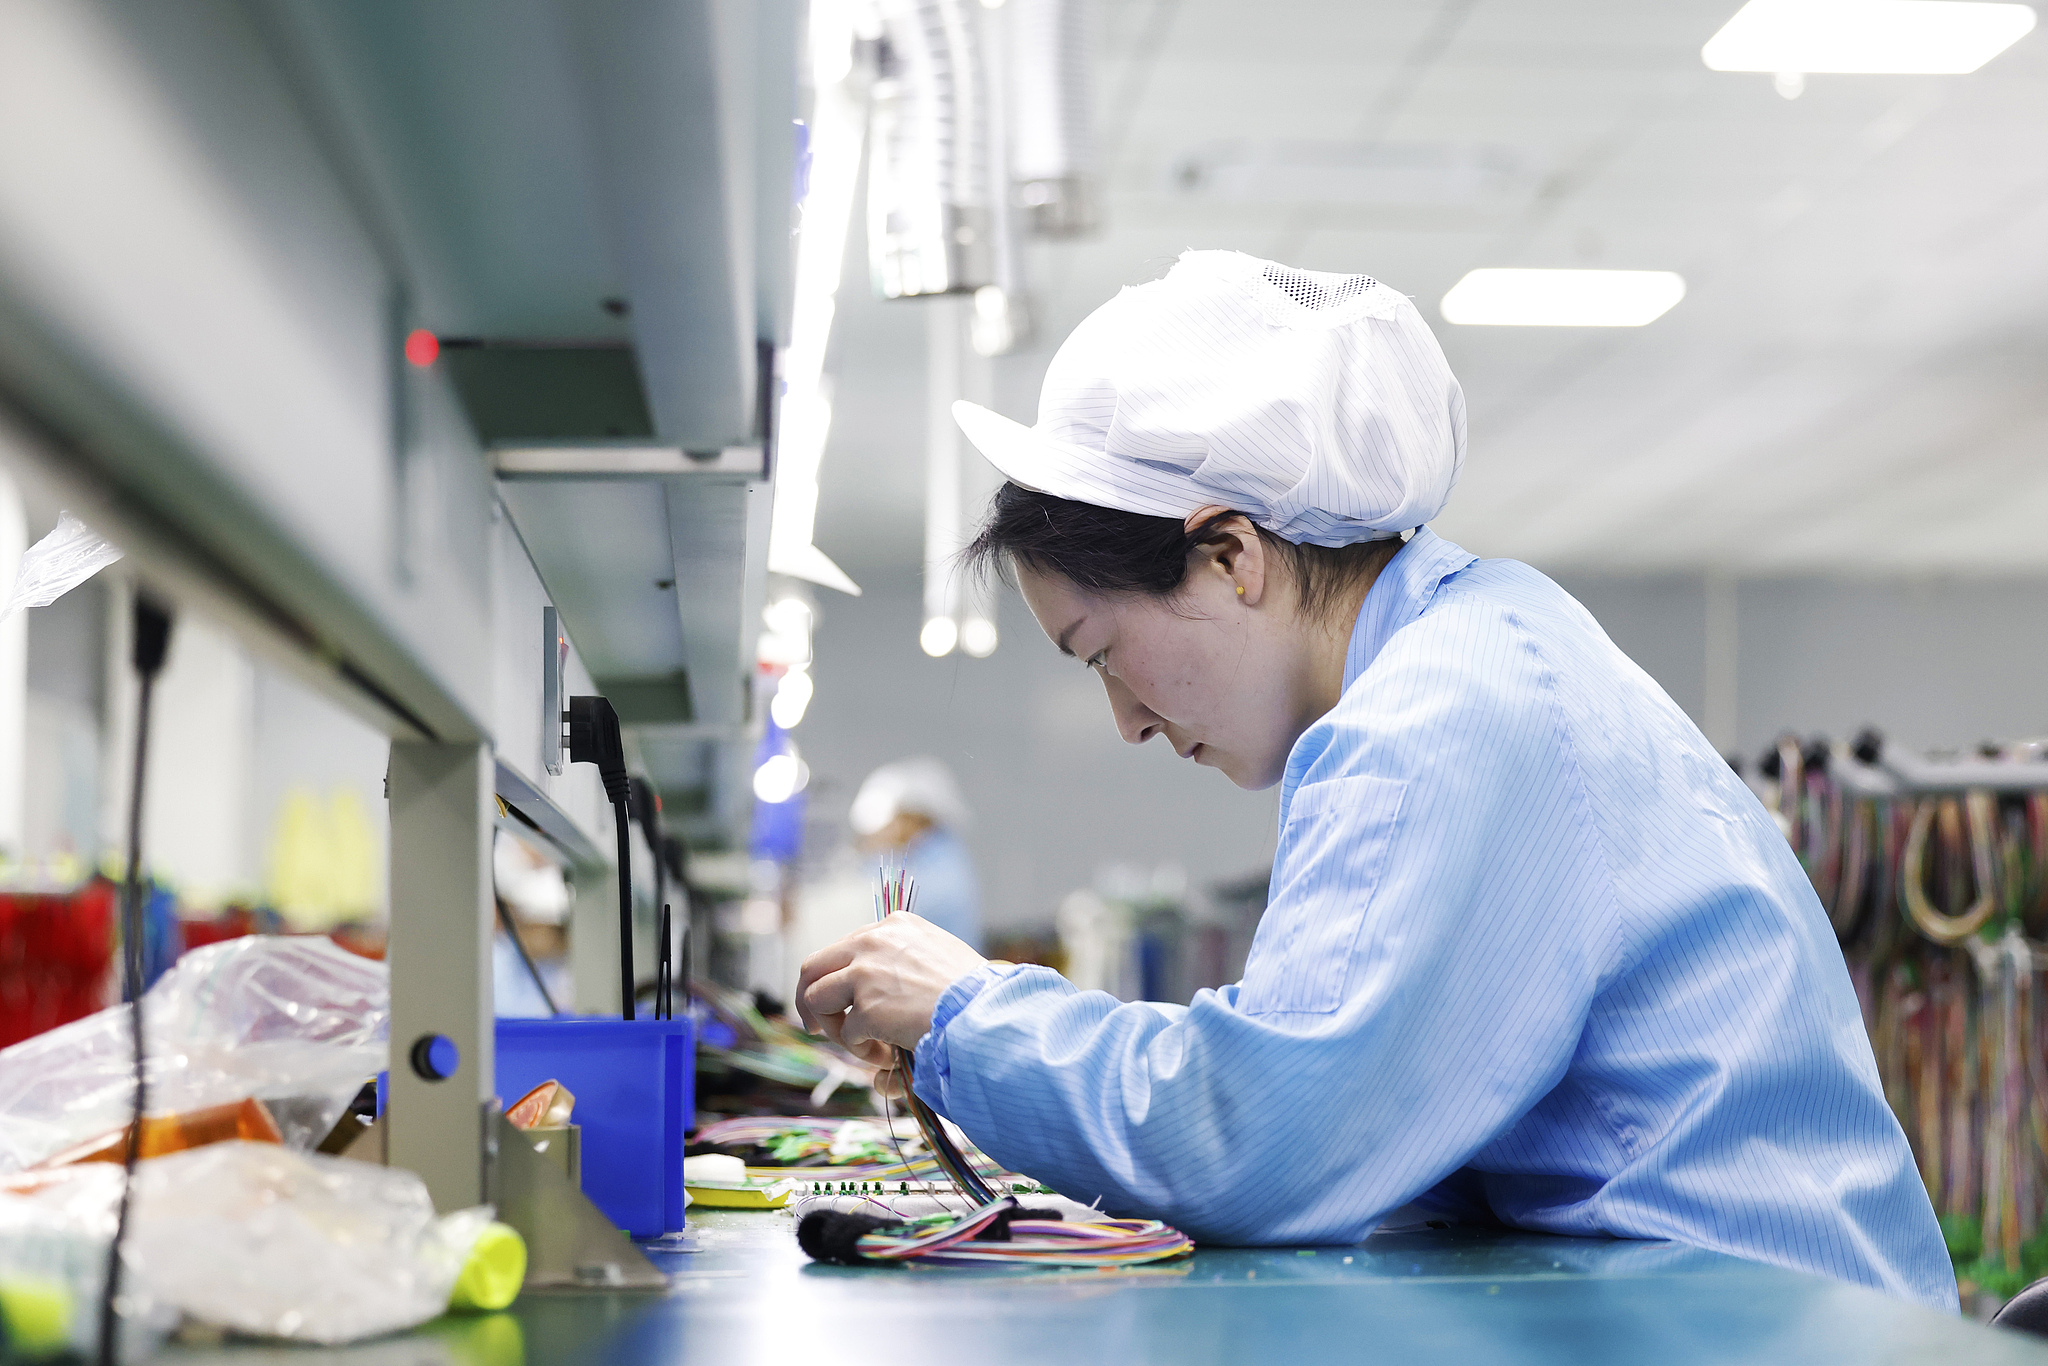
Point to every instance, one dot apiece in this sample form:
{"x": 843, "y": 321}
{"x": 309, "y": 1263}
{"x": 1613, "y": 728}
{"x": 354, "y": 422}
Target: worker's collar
{"x": 1400, "y": 594}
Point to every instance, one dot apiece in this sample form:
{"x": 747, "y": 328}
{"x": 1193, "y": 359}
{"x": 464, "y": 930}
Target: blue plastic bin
{"x": 634, "y": 1082}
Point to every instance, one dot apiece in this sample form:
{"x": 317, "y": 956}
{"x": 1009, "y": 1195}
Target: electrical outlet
{"x": 555, "y": 659}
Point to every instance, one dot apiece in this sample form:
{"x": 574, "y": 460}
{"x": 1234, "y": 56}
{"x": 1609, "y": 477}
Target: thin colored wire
{"x": 899, "y": 893}
{"x": 1103, "y": 1242}
{"x": 896, "y": 1066}
{"x": 1945, "y": 929}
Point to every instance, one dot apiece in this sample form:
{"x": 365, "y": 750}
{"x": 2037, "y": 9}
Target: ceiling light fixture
{"x": 978, "y": 637}
{"x": 780, "y": 777}
{"x": 837, "y": 131}
{"x": 1562, "y": 298}
{"x": 792, "y": 699}
{"x": 939, "y": 636}
{"x": 1865, "y": 37}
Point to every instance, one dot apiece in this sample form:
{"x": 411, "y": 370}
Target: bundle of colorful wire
{"x": 803, "y": 1136}
{"x": 774, "y": 1048}
{"x": 763, "y": 1130}
{"x": 999, "y": 1233}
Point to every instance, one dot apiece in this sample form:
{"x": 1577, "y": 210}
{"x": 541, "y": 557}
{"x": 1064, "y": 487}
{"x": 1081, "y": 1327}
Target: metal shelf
{"x": 205, "y": 286}
{"x": 542, "y": 815}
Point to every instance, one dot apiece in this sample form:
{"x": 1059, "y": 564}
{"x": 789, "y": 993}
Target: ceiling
{"x": 1853, "y": 383}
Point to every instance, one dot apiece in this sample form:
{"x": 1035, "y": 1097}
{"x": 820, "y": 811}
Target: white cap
{"x": 529, "y": 883}
{"x": 1319, "y": 405}
{"x": 922, "y": 787}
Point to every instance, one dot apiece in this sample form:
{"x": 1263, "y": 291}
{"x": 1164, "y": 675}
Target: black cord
{"x": 594, "y": 739}
{"x": 664, "y": 1008}
{"x": 152, "y": 641}
{"x": 646, "y": 804}
{"x": 512, "y": 932}
{"x": 625, "y": 829}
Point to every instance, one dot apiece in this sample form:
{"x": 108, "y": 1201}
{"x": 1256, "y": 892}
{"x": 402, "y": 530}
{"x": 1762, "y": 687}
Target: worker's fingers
{"x": 889, "y": 1083}
{"x": 830, "y": 959}
{"x": 873, "y": 1052}
{"x": 881, "y": 982}
{"x": 832, "y": 1026}
{"x": 859, "y": 1029}
{"x": 831, "y": 994}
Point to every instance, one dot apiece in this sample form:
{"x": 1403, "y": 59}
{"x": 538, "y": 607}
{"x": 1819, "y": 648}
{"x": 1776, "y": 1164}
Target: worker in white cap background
{"x": 1532, "y": 955}
{"x": 911, "y": 812}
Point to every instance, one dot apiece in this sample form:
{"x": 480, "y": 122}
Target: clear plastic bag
{"x": 295, "y": 1022}
{"x": 257, "y": 1239}
{"x": 247, "y": 1237}
{"x": 53, "y": 1252}
{"x": 58, "y": 563}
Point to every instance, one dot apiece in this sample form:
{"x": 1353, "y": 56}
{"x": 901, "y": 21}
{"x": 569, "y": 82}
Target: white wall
{"x": 1933, "y": 662}
{"x": 66, "y": 647}
{"x": 196, "y": 807}
{"x": 303, "y": 741}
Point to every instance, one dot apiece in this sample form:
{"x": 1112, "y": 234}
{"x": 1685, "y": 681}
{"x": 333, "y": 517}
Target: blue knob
{"x": 435, "y": 1057}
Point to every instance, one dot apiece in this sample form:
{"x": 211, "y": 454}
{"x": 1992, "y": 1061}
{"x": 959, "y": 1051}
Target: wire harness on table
{"x": 1000, "y": 1232}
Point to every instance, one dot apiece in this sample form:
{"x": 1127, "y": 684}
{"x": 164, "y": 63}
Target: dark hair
{"x": 1105, "y": 550}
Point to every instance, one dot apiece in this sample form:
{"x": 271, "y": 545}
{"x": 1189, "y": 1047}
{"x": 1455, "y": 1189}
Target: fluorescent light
{"x": 780, "y": 777}
{"x": 838, "y": 130}
{"x": 1562, "y": 298}
{"x": 978, "y": 637}
{"x": 787, "y": 639}
{"x": 789, "y": 616}
{"x": 939, "y": 636}
{"x": 1882, "y": 37}
{"x": 792, "y": 699}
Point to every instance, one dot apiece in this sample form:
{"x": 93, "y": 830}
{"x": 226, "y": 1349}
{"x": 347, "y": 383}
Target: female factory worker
{"x": 1532, "y": 952}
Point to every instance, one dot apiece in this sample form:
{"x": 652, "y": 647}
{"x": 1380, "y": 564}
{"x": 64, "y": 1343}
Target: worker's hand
{"x": 876, "y": 989}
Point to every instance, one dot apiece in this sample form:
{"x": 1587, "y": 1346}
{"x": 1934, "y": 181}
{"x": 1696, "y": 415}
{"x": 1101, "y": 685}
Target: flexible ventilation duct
{"x": 930, "y": 204}
{"x": 1052, "y": 133}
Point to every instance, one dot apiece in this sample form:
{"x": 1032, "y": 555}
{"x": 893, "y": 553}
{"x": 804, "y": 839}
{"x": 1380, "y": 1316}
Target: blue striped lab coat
{"x": 1533, "y": 953}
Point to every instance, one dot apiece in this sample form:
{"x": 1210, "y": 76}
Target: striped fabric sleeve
{"x": 1406, "y": 998}
{"x": 929, "y": 1068}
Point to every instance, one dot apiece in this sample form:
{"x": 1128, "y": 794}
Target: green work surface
{"x": 750, "y": 1296}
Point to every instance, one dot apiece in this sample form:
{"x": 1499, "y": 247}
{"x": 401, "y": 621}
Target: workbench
{"x": 748, "y": 1296}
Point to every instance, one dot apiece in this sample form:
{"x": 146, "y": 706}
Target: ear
{"x": 1236, "y": 554}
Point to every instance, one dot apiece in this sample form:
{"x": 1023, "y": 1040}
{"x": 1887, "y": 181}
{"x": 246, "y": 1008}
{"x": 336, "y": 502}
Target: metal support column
{"x": 441, "y": 925}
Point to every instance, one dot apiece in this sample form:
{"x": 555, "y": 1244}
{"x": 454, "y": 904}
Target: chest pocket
{"x": 1332, "y": 856}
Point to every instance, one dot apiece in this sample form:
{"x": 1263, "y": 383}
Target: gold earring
{"x": 1240, "y": 590}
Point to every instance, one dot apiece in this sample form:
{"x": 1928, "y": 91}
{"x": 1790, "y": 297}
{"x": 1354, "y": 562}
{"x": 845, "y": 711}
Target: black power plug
{"x": 594, "y": 739}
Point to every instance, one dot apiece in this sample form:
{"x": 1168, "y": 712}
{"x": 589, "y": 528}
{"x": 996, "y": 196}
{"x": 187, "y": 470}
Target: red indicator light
{"x": 421, "y": 347}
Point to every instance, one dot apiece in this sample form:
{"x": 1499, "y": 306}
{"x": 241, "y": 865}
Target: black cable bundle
{"x": 999, "y": 1230}
{"x": 950, "y": 1159}
{"x": 834, "y": 1238}
{"x": 152, "y": 642}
